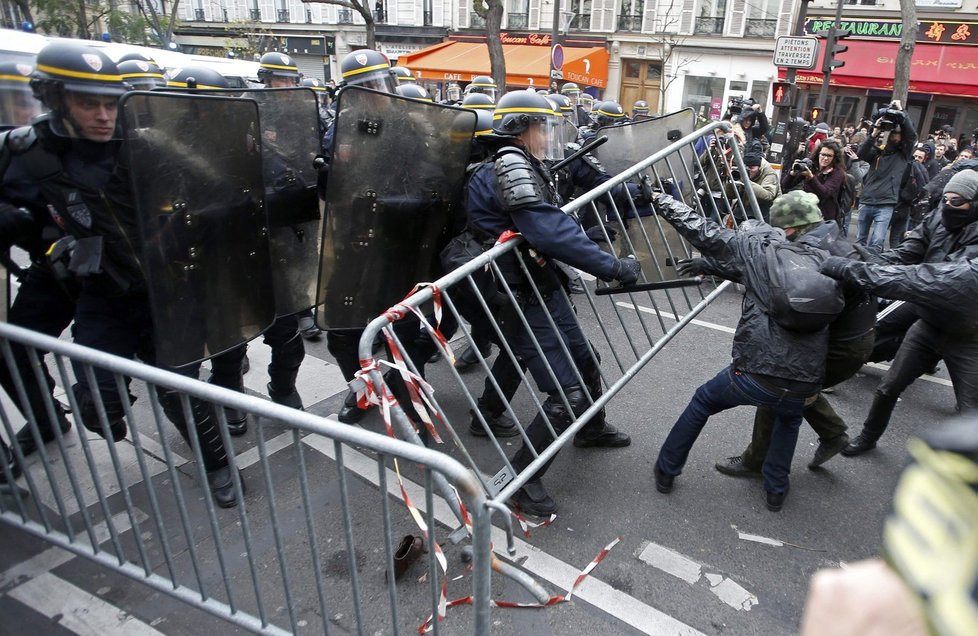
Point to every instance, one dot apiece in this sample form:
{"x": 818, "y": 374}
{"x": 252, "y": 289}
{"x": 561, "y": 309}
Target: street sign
{"x": 557, "y": 75}
{"x": 796, "y": 52}
{"x": 557, "y": 57}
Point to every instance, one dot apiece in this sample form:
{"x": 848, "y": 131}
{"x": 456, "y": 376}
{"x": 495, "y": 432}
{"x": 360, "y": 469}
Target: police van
{"x": 18, "y": 46}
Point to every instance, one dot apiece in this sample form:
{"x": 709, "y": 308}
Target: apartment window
{"x": 582, "y": 19}
{"x": 630, "y": 18}
{"x": 710, "y": 18}
{"x": 762, "y": 18}
{"x": 518, "y": 16}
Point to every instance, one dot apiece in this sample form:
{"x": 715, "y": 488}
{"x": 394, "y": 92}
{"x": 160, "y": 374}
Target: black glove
{"x": 14, "y": 223}
{"x": 627, "y": 270}
{"x": 835, "y": 267}
{"x": 866, "y": 253}
{"x": 595, "y": 234}
{"x": 691, "y": 266}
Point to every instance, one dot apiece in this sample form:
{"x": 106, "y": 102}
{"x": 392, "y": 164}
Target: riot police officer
{"x": 88, "y": 186}
{"x": 142, "y": 75}
{"x": 414, "y": 92}
{"x": 640, "y": 110}
{"x": 403, "y": 75}
{"x": 515, "y": 191}
{"x": 17, "y": 104}
{"x": 607, "y": 113}
{"x": 278, "y": 70}
{"x": 485, "y": 85}
{"x": 478, "y": 101}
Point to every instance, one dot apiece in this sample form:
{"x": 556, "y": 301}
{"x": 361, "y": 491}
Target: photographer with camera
{"x": 822, "y": 174}
{"x": 761, "y": 178}
{"x": 887, "y": 151}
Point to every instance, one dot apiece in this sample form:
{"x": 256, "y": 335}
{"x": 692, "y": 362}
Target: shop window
{"x": 704, "y": 94}
{"x": 738, "y": 86}
{"x": 759, "y": 92}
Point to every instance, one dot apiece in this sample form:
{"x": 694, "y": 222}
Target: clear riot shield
{"x": 4, "y": 293}
{"x": 290, "y": 142}
{"x": 395, "y": 186}
{"x": 653, "y": 241}
{"x": 197, "y": 183}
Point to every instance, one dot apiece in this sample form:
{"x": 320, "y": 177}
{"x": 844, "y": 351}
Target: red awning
{"x": 937, "y": 69}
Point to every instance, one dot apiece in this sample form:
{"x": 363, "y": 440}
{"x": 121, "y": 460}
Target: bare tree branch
{"x": 360, "y": 6}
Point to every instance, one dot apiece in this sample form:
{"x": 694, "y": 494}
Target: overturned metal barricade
{"x": 625, "y": 327}
{"x": 309, "y": 547}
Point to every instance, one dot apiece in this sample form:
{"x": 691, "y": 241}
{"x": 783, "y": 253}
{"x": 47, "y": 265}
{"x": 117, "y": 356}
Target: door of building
{"x": 640, "y": 79}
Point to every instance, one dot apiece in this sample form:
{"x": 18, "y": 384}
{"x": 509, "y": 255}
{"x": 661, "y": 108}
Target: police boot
{"x": 350, "y": 413}
{"x": 500, "y": 424}
{"x": 289, "y": 398}
{"x": 88, "y": 415}
{"x": 597, "y": 433}
{"x": 221, "y": 483}
{"x": 468, "y": 358}
{"x": 226, "y": 372}
{"x": 25, "y": 440}
{"x": 876, "y": 422}
{"x": 7, "y": 457}
{"x": 532, "y": 499}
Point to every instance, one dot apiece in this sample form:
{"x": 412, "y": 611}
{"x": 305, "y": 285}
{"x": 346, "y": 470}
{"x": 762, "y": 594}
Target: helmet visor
{"x": 18, "y": 106}
{"x": 542, "y": 138}
{"x": 383, "y": 82}
{"x": 485, "y": 90}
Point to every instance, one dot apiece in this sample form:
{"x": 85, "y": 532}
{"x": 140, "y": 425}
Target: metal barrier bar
{"x": 162, "y": 528}
{"x": 702, "y": 180}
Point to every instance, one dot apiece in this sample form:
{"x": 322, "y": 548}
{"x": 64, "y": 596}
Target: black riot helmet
{"x": 564, "y": 107}
{"x": 483, "y": 84}
{"x": 478, "y": 101}
{"x": 70, "y": 65}
{"x": 402, "y": 75}
{"x": 17, "y": 103}
{"x": 483, "y": 123}
{"x": 607, "y": 113}
{"x": 414, "y": 92}
{"x": 641, "y": 107}
{"x": 368, "y": 68}
{"x": 199, "y": 77}
{"x": 531, "y": 117}
{"x": 315, "y": 84}
{"x": 142, "y": 75}
{"x": 135, "y": 55}
{"x": 277, "y": 65}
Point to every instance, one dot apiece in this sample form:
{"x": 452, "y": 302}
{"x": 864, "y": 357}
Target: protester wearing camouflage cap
{"x": 796, "y": 210}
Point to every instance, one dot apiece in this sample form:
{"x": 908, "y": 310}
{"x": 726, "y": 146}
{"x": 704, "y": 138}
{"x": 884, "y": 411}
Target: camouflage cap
{"x": 795, "y": 209}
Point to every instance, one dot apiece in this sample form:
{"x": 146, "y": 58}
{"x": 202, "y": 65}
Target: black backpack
{"x": 802, "y": 298}
{"x": 846, "y": 194}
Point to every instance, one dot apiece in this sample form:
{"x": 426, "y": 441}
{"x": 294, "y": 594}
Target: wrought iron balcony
{"x": 428, "y": 18}
{"x": 518, "y": 20}
{"x": 380, "y": 15}
{"x": 344, "y": 16}
{"x": 476, "y": 21}
{"x": 282, "y": 15}
{"x": 581, "y": 22}
{"x": 199, "y": 15}
{"x": 708, "y": 26}
{"x": 256, "y": 15}
{"x": 629, "y": 23}
{"x": 761, "y": 28}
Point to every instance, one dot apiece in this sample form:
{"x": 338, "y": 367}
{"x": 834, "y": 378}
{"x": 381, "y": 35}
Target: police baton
{"x": 591, "y": 145}
{"x": 663, "y": 284}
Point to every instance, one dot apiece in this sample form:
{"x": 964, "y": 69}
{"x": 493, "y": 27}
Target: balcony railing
{"x": 629, "y": 23}
{"x": 581, "y": 22}
{"x": 708, "y": 26}
{"x": 518, "y": 20}
{"x": 256, "y": 15}
{"x": 282, "y": 15}
{"x": 308, "y": 16}
{"x": 476, "y": 21}
{"x": 428, "y": 18}
{"x": 344, "y": 16}
{"x": 380, "y": 15}
{"x": 761, "y": 28}
{"x": 199, "y": 15}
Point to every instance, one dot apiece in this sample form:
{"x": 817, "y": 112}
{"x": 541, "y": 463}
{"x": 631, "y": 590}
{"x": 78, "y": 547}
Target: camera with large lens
{"x": 735, "y": 105}
{"x": 888, "y": 119}
{"x": 801, "y": 165}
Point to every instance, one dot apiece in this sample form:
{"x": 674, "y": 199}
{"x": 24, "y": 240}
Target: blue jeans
{"x": 728, "y": 389}
{"x": 877, "y": 217}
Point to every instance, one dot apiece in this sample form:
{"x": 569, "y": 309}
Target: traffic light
{"x": 783, "y": 94}
{"x": 816, "y": 114}
{"x": 833, "y": 48}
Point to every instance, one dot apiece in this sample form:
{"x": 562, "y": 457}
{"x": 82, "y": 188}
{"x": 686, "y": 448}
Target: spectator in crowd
{"x": 929, "y": 161}
{"x": 887, "y": 151}
{"x": 763, "y": 180}
{"x": 820, "y": 134}
{"x": 822, "y": 174}
{"x": 940, "y": 151}
{"x": 912, "y": 197}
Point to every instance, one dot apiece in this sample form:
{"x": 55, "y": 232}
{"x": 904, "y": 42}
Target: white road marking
{"x": 687, "y": 569}
{"x": 665, "y": 314}
{"x": 756, "y": 538}
{"x": 926, "y": 378}
{"x": 56, "y": 557}
{"x": 77, "y": 610}
{"x": 670, "y": 562}
{"x": 272, "y": 446}
{"x": 594, "y": 591}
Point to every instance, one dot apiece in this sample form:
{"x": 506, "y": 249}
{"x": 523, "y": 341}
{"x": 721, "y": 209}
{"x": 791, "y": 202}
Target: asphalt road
{"x": 706, "y": 558}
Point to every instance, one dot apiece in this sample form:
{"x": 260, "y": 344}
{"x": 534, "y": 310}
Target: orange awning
{"x": 526, "y": 65}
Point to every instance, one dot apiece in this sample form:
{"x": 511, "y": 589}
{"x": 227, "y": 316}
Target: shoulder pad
{"x": 516, "y": 180}
{"x": 19, "y": 140}
{"x": 573, "y": 147}
{"x": 592, "y": 161}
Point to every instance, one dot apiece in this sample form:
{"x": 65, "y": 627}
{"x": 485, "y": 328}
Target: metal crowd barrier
{"x": 626, "y": 330}
{"x": 310, "y": 546}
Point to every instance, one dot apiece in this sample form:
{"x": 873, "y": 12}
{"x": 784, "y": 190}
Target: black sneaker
{"x": 499, "y": 425}
{"x": 775, "y": 500}
{"x": 735, "y": 467}
{"x": 860, "y": 445}
{"x": 828, "y": 449}
{"x": 663, "y": 482}
{"x": 532, "y": 499}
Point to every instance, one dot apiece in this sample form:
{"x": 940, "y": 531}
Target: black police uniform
{"x": 515, "y": 191}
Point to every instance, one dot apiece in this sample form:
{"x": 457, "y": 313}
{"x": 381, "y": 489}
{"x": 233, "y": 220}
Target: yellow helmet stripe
{"x": 279, "y": 66}
{"x": 173, "y": 84}
{"x": 128, "y": 75}
{"x": 502, "y": 111}
{"x": 44, "y": 68}
{"x": 479, "y": 106}
{"x": 16, "y": 78}
{"x": 365, "y": 69}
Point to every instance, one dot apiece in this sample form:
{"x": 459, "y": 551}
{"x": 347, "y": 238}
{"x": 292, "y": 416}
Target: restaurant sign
{"x": 931, "y": 31}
